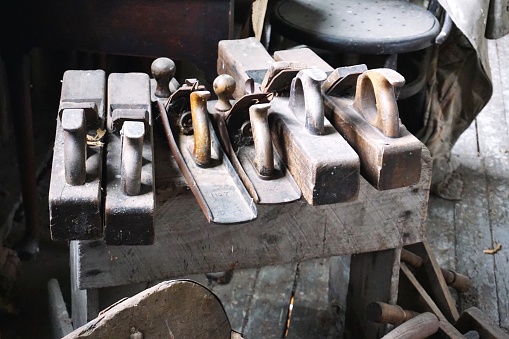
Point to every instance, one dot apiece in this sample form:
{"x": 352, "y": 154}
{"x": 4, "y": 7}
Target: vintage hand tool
{"x": 193, "y": 143}
{"x": 244, "y": 133}
{"x": 456, "y": 280}
{"x": 75, "y": 188}
{"x": 324, "y": 166}
{"x": 130, "y": 185}
{"x": 361, "y": 104}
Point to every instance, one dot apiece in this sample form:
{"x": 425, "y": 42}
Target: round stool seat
{"x": 355, "y": 26}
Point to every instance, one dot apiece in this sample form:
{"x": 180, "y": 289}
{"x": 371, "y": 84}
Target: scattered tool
{"x": 130, "y": 185}
{"x": 197, "y": 150}
{"x": 76, "y": 173}
{"x": 456, "y": 280}
{"x": 244, "y": 132}
{"x": 324, "y": 166}
{"x": 361, "y": 104}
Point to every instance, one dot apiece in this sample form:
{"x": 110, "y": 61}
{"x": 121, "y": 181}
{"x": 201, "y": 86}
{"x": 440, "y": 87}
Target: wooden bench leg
{"x": 84, "y": 303}
{"x": 373, "y": 277}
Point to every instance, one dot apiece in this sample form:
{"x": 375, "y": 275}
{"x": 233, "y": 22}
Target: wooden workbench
{"x": 374, "y": 228}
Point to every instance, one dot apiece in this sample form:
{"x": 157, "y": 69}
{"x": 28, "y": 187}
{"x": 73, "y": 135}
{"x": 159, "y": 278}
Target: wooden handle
{"x": 264, "y": 154}
{"x": 419, "y": 327}
{"x": 383, "y": 313}
{"x": 375, "y": 99}
{"x": 202, "y": 144}
{"x": 305, "y": 94}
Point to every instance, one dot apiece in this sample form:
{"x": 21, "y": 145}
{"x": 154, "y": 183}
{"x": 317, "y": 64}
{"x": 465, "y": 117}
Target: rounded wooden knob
{"x": 163, "y": 70}
{"x": 224, "y": 87}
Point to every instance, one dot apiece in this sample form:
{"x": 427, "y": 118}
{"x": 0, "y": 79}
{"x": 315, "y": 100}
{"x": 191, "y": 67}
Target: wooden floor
{"x": 258, "y": 300}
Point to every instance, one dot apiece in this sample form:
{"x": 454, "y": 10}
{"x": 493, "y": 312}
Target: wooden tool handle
{"x": 388, "y": 314}
{"x": 202, "y": 143}
{"x": 375, "y": 99}
{"x": 422, "y": 326}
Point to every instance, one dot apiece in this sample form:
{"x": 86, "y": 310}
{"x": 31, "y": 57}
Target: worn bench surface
{"x": 186, "y": 244}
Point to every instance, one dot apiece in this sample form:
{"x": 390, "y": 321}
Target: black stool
{"x": 381, "y": 28}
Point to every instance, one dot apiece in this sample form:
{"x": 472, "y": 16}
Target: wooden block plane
{"x": 322, "y": 163}
{"x": 130, "y": 185}
{"x": 75, "y": 188}
{"x": 361, "y": 104}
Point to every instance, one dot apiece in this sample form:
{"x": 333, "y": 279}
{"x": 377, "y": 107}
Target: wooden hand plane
{"x": 362, "y": 105}
{"x": 197, "y": 150}
{"x": 130, "y": 185}
{"x": 322, "y": 163}
{"x": 75, "y": 188}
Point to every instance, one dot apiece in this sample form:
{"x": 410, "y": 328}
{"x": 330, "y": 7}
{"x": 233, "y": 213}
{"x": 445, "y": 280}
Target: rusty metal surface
{"x": 214, "y": 182}
{"x": 249, "y": 148}
{"x": 390, "y": 155}
{"x": 75, "y": 210}
{"x": 129, "y": 204}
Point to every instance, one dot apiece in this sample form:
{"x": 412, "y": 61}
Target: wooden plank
{"x": 236, "y": 296}
{"x": 373, "y": 277}
{"x": 497, "y": 173}
{"x": 440, "y": 231}
{"x": 281, "y": 234}
{"x": 473, "y": 235}
{"x": 491, "y": 122}
{"x": 269, "y": 307}
{"x": 339, "y": 277}
{"x": 502, "y": 52}
{"x": 311, "y": 314}
{"x": 84, "y": 302}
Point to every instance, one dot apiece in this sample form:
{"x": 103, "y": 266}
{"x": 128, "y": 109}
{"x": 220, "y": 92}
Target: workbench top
{"x": 186, "y": 244}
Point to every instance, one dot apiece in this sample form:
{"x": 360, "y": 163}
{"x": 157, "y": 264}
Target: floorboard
{"x": 473, "y": 235}
{"x": 497, "y": 173}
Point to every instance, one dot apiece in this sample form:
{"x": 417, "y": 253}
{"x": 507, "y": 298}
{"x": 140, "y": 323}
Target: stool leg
{"x": 18, "y": 82}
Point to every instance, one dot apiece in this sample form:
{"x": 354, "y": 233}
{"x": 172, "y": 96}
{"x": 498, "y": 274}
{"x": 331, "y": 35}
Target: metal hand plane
{"x": 245, "y": 135}
{"x": 197, "y": 150}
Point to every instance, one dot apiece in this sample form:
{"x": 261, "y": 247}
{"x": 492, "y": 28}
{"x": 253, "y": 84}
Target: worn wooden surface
{"x": 164, "y": 310}
{"x": 460, "y": 231}
{"x": 281, "y": 234}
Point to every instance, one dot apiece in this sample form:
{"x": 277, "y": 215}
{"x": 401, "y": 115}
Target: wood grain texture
{"x": 271, "y": 297}
{"x": 491, "y": 122}
{"x": 311, "y": 314}
{"x": 174, "y": 309}
{"x": 373, "y": 277}
{"x": 186, "y": 244}
{"x": 473, "y": 235}
{"x": 237, "y": 296}
{"x": 497, "y": 173}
